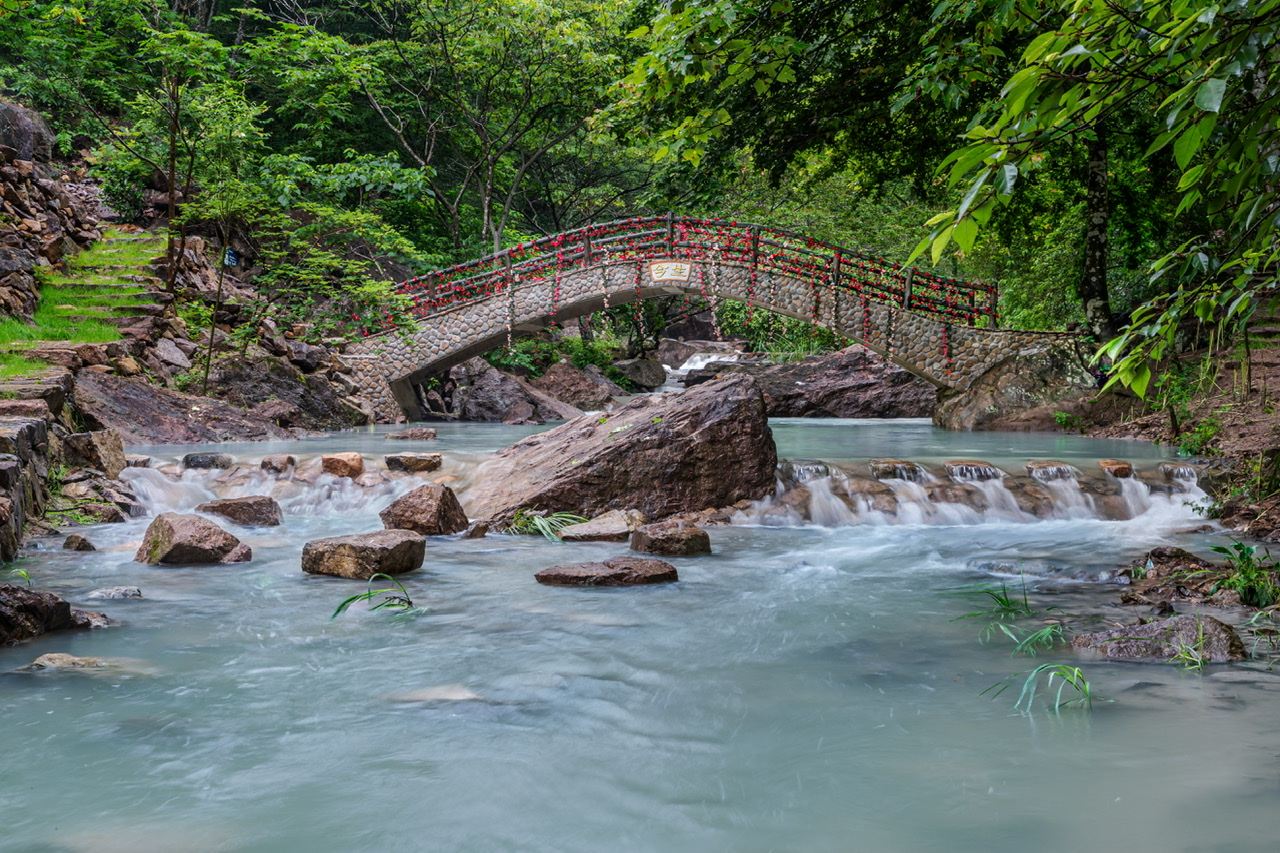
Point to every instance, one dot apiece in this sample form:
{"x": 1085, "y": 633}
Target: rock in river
{"x": 1214, "y": 641}
{"x": 414, "y": 463}
{"x": 588, "y": 390}
{"x": 357, "y": 557}
{"x": 414, "y": 434}
{"x": 612, "y": 526}
{"x": 343, "y": 464}
{"x": 617, "y": 571}
{"x": 671, "y": 540}
{"x": 27, "y": 613}
{"x": 431, "y": 510}
{"x": 251, "y": 511}
{"x": 661, "y": 455}
{"x": 207, "y": 460}
{"x": 76, "y": 542}
{"x": 175, "y": 539}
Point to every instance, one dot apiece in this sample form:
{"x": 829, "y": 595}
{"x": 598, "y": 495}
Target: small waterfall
{"x": 697, "y": 361}
{"x": 1134, "y": 494}
{"x": 1183, "y": 478}
{"x": 1063, "y": 484}
{"x": 793, "y": 472}
{"x": 897, "y": 469}
{"x": 988, "y": 480}
{"x": 826, "y": 509}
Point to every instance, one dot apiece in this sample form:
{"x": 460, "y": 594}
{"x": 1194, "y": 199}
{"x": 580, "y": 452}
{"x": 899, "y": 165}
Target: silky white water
{"x": 805, "y": 688}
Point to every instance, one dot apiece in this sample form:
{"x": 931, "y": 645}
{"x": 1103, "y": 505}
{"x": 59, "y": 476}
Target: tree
{"x": 1205, "y": 67}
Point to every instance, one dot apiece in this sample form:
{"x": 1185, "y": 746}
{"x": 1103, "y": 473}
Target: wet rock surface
{"x": 660, "y": 455}
{"x": 114, "y": 593}
{"x": 481, "y": 392}
{"x": 343, "y": 464}
{"x": 205, "y": 461}
{"x": 851, "y": 383}
{"x": 1213, "y": 641}
{"x": 645, "y": 374}
{"x": 612, "y": 526}
{"x": 415, "y": 434}
{"x": 28, "y": 613}
{"x": 391, "y": 552}
{"x": 1022, "y": 392}
{"x": 76, "y": 542}
{"x": 617, "y": 571}
{"x": 414, "y": 463}
{"x": 432, "y": 510}
{"x": 101, "y": 450}
{"x": 671, "y": 540}
{"x": 174, "y": 539}
{"x": 251, "y": 511}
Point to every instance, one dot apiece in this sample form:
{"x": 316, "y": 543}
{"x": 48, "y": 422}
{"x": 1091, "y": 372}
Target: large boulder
{"x": 101, "y": 450}
{"x": 174, "y": 539}
{"x": 617, "y": 571}
{"x": 643, "y": 373}
{"x": 661, "y": 455}
{"x": 586, "y": 390}
{"x": 251, "y": 511}
{"x": 28, "y": 613}
{"x": 432, "y": 510}
{"x": 26, "y": 132}
{"x": 1213, "y": 641}
{"x": 1022, "y": 392}
{"x": 484, "y": 393}
{"x": 851, "y": 383}
{"x": 390, "y": 552}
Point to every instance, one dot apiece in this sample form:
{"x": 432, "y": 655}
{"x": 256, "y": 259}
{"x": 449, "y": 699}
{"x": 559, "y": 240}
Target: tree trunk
{"x": 1093, "y": 281}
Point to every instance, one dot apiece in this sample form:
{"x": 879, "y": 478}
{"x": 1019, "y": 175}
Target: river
{"x": 805, "y": 688}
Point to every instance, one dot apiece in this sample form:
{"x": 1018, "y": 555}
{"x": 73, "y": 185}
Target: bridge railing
{"x": 762, "y": 250}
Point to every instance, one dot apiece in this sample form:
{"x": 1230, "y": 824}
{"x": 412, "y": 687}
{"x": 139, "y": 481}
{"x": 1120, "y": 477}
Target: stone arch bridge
{"x": 941, "y": 329}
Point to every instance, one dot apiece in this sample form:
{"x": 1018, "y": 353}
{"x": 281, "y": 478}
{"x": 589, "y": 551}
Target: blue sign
{"x": 230, "y": 258}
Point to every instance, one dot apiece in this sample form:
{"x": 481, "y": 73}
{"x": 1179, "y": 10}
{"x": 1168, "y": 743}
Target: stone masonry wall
{"x": 950, "y": 356}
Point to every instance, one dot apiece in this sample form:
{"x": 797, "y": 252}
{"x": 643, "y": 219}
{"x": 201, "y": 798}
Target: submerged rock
{"x": 343, "y": 464}
{"x": 251, "y": 511}
{"x": 414, "y": 434}
{"x": 618, "y": 571}
{"x": 27, "y": 613}
{"x": 60, "y": 660}
{"x": 661, "y": 455}
{"x": 391, "y": 552}
{"x": 204, "y": 461}
{"x": 414, "y": 463}
{"x": 433, "y": 695}
{"x": 432, "y": 510}
{"x": 174, "y": 539}
{"x": 76, "y": 542}
{"x": 115, "y": 593}
{"x": 612, "y": 526}
{"x": 1213, "y": 641}
{"x": 671, "y": 540}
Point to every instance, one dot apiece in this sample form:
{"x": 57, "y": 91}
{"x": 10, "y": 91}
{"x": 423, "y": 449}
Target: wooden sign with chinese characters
{"x": 670, "y": 270}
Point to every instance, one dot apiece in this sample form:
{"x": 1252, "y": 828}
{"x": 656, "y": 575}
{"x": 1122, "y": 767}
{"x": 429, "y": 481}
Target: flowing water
{"x": 806, "y": 688}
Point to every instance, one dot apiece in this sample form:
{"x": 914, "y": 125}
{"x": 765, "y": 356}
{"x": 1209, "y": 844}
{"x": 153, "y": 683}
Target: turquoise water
{"x": 802, "y": 689}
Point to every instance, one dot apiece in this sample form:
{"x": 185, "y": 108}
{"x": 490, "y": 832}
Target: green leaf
{"x": 1186, "y": 146}
{"x": 966, "y": 231}
{"x": 940, "y": 243}
{"x": 1209, "y": 95}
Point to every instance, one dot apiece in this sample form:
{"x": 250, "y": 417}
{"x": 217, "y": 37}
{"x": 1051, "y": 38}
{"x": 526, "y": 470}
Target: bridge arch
{"x": 925, "y": 323}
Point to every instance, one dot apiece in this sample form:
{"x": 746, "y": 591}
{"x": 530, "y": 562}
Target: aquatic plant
{"x": 1252, "y": 576}
{"x": 1032, "y": 643}
{"x": 548, "y": 525}
{"x": 1004, "y": 607}
{"x": 22, "y": 575}
{"x": 1065, "y": 676}
{"x": 391, "y": 598}
{"x": 1191, "y": 655}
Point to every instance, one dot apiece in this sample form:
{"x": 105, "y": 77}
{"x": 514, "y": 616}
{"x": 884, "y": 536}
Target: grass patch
{"x": 13, "y": 366}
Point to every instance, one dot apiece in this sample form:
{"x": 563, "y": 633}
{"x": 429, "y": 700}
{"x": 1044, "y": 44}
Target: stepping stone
{"x": 618, "y": 571}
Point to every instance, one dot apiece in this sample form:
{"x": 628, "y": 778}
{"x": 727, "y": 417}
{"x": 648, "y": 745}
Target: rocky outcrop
{"x": 101, "y": 450}
{"x": 671, "y": 540}
{"x": 481, "y": 392}
{"x": 661, "y": 455}
{"x": 851, "y": 383}
{"x": 432, "y": 510}
{"x": 644, "y": 374}
{"x": 27, "y": 613}
{"x": 25, "y": 459}
{"x": 390, "y": 552}
{"x": 618, "y": 571}
{"x": 145, "y": 414}
{"x": 40, "y": 221}
{"x": 1212, "y": 641}
{"x": 286, "y": 395}
{"x": 174, "y": 539}
{"x": 1022, "y": 392}
{"x": 252, "y": 511}
{"x": 586, "y": 389}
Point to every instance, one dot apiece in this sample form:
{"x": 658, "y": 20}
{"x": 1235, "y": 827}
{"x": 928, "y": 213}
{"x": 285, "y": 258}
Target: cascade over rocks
{"x": 432, "y": 510}
{"x": 28, "y": 613}
{"x": 661, "y": 455}
{"x": 674, "y": 353}
{"x": 391, "y": 552}
{"x": 175, "y": 539}
{"x": 587, "y": 389}
{"x": 617, "y": 571}
{"x": 1216, "y": 641}
{"x": 851, "y": 383}
{"x": 251, "y": 511}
